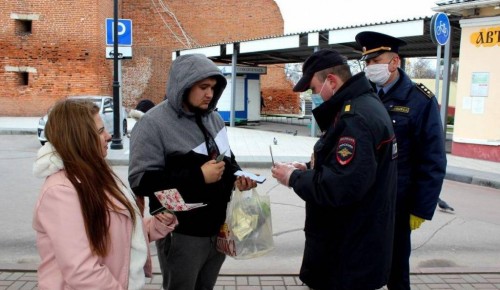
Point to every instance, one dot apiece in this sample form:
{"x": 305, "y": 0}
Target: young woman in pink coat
{"x": 90, "y": 232}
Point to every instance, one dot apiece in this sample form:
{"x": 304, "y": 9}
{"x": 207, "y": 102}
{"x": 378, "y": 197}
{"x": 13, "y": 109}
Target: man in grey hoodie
{"x": 175, "y": 146}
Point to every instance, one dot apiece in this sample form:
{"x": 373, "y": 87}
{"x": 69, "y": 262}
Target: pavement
{"x": 251, "y": 143}
{"x": 290, "y": 141}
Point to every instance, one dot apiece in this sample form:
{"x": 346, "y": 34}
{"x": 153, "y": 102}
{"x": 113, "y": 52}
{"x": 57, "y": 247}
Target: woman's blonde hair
{"x": 72, "y": 131}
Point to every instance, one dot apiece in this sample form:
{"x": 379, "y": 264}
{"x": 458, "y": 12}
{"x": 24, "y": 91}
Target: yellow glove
{"x": 415, "y": 222}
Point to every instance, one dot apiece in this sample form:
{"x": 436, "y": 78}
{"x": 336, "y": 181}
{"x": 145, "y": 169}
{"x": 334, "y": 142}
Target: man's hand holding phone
{"x": 212, "y": 171}
{"x": 254, "y": 177}
{"x": 245, "y": 183}
{"x": 220, "y": 157}
{"x": 167, "y": 219}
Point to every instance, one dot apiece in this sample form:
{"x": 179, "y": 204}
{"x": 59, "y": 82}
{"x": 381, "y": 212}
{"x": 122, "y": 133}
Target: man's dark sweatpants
{"x": 197, "y": 255}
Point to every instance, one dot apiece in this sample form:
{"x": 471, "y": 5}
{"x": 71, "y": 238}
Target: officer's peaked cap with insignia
{"x": 320, "y": 60}
{"x": 375, "y": 43}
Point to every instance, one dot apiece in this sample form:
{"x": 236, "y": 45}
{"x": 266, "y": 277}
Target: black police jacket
{"x": 350, "y": 194}
{"x": 421, "y": 153}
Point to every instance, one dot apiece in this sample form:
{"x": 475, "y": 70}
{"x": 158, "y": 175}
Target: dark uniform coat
{"x": 350, "y": 194}
{"x": 421, "y": 158}
{"x": 421, "y": 165}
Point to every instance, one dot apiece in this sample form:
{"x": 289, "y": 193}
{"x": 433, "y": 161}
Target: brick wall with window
{"x": 64, "y": 42}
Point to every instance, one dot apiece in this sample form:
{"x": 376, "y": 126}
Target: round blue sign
{"x": 440, "y": 29}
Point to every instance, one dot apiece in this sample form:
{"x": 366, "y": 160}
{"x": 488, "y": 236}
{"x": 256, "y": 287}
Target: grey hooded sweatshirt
{"x": 168, "y": 147}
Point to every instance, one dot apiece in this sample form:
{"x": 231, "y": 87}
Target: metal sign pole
{"x": 314, "y": 125}
{"x": 232, "y": 114}
{"x": 446, "y": 82}
{"x": 116, "y": 142}
{"x": 438, "y": 71}
{"x": 441, "y": 33}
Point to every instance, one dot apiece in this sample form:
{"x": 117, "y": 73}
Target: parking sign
{"x": 124, "y": 32}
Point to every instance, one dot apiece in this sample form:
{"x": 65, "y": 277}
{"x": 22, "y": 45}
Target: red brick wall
{"x": 277, "y": 93}
{"x": 67, "y": 48}
{"x": 204, "y": 22}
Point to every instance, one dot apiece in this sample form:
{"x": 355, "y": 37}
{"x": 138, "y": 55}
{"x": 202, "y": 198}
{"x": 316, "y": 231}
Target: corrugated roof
{"x": 460, "y": 7}
{"x": 419, "y": 44}
{"x": 451, "y": 2}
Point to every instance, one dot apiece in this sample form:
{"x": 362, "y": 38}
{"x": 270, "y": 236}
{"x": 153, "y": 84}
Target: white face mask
{"x": 378, "y": 73}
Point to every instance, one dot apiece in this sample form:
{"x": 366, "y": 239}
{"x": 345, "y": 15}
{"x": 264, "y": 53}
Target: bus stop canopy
{"x": 295, "y": 48}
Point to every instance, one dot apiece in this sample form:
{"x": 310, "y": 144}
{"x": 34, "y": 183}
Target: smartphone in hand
{"x": 256, "y": 178}
{"x": 161, "y": 210}
{"x": 220, "y": 157}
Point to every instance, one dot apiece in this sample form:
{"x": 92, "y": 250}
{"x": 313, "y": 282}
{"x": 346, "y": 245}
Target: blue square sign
{"x": 124, "y": 32}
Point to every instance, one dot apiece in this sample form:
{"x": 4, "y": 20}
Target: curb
{"x": 457, "y": 174}
{"x": 6, "y": 267}
{"x": 8, "y": 131}
{"x": 473, "y": 177}
{"x": 452, "y": 173}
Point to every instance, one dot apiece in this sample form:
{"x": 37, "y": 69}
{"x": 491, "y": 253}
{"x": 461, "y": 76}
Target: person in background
{"x": 90, "y": 233}
{"x": 262, "y": 102}
{"x": 350, "y": 184}
{"x": 142, "y": 107}
{"x": 421, "y": 150}
{"x": 175, "y": 145}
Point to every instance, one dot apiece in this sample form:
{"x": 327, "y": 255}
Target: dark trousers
{"x": 189, "y": 262}
{"x": 399, "y": 278}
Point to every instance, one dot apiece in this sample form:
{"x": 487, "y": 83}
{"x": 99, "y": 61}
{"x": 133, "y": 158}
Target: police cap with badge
{"x": 375, "y": 43}
{"x": 320, "y": 60}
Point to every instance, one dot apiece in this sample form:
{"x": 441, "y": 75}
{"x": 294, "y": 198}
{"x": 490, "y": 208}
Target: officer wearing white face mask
{"x": 421, "y": 152}
{"x": 349, "y": 186}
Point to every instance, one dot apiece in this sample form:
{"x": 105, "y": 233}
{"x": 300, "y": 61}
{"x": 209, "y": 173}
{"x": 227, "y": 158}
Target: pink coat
{"x": 66, "y": 259}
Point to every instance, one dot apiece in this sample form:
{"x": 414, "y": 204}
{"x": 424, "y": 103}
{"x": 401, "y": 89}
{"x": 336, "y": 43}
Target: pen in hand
{"x": 271, "y": 151}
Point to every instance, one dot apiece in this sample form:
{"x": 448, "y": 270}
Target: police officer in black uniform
{"x": 421, "y": 150}
{"x": 350, "y": 185}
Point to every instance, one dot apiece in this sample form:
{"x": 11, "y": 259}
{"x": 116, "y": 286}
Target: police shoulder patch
{"x": 346, "y": 148}
{"x": 421, "y": 87}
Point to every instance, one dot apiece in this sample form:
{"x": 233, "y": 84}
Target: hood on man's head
{"x": 318, "y": 61}
{"x": 188, "y": 69}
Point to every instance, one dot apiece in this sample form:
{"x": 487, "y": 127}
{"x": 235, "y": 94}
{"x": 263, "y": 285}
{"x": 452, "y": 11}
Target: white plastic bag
{"x": 247, "y": 232}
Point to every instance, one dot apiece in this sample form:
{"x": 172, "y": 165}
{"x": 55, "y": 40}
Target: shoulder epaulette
{"x": 347, "y": 108}
{"x": 425, "y": 90}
